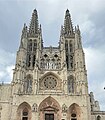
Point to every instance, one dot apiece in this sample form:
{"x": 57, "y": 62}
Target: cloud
{"x": 7, "y": 61}
{"x": 89, "y": 14}
{"x": 1, "y": 74}
{"x": 95, "y": 60}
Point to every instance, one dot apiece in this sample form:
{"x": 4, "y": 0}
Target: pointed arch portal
{"x": 74, "y": 112}
{"x": 24, "y": 111}
{"x": 49, "y": 109}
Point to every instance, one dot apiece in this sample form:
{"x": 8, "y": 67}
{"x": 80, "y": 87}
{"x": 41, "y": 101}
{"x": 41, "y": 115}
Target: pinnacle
{"x": 35, "y": 11}
{"x": 24, "y": 31}
{"x": 67, "y": 10}
{"x": 67, "y": 13}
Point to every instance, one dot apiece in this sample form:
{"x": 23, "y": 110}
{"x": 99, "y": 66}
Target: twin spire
{"x": 34, "y": 29}
{"x": 68, "y": 27}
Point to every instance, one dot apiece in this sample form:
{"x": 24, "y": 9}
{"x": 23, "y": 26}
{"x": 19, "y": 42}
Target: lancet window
{"x": 71, "y": 47}
{"x": 71, "y": 85}
{"x": 31, "y": 53}
{"x": 71, "y": 61}
{"x": 28, "y": 84}
{"x": 69, "y": 54}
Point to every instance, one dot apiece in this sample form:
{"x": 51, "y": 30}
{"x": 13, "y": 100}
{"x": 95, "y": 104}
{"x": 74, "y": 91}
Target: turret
{"x": 20, "y": 66}
{"x": 40, "y": 32}
{"x": 23, "y": 43}
{"x": 78, "y": 44}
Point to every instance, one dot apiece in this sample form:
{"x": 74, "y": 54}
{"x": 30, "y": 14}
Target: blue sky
{"x": 88, "y": 14}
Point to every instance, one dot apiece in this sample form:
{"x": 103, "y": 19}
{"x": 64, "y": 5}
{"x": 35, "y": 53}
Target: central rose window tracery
{"x": 50, "y": 82}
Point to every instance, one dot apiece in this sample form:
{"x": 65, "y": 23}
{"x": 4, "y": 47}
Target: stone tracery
{"x": 49, "y": 82}
{"x": 50, "y": 62}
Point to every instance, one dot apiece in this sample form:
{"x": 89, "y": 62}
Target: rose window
{"x": 50, "y": 82}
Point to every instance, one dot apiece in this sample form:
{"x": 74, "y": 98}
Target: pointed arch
{"x": 50, "y": 73}
{"x": 74, "y": 112}
{"x": 49, "y": 102}
{"x": 71, "y": 84}
{"x": 49, "y": 106}
{"x": 50, "y": 81}
{"x": 98, "y": 117}
{"x": 24, "y": 111}
{"x": 28, "y": 84}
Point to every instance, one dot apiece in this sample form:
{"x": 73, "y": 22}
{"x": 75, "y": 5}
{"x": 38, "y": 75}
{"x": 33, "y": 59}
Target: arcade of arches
{"x": 49, "y": 109}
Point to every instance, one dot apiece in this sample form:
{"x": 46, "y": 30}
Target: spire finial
{"x": 67, "y": 10}
{"x": 33, "y": 29}
{"x": 67, "y": 13}
{"x": 68, "y": 27}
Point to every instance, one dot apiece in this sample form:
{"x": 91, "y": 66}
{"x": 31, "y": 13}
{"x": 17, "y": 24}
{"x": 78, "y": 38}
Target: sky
{"x": 88, "y": 14}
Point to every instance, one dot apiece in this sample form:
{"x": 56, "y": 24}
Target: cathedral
{"x": 49, "y": 83}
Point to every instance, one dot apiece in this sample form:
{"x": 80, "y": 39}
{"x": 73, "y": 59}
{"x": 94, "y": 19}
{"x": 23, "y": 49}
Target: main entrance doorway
{"x": 25, "y": 118}
{"x": 49, "y": 116}
{"x": 49, "y": 109}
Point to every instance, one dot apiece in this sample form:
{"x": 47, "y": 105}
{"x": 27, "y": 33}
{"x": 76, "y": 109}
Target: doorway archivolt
{"x": 49, "y": 109}
{"x": 24, "y": 111}
{"x": 74, "y": 112}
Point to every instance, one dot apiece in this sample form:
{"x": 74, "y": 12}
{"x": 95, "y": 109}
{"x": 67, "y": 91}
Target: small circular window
{"x": 73, "y": 115}
{"x": 25, "y": 113}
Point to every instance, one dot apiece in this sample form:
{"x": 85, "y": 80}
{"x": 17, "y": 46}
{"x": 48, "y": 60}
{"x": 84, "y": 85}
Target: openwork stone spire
{"x": 33, "y": 29}
{"x": 68, "y": 27}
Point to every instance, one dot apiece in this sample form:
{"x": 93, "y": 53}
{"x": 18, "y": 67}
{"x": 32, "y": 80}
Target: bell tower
{"x": 34, "y": 44}
{"x": 28, "y": 57}
{"x": 73, "y": 56}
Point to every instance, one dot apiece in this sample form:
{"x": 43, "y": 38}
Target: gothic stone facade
{"x": 49, "y": 83}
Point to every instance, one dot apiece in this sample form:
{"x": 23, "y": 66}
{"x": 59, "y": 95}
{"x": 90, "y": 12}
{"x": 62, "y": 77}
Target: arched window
{"x": 34, "y": 58}
{"x": 30, "y": 45}
{"x": 71, "y": 61}
{"x": 70, "y": 84}
{"x": 98, "y": 117}
{"x": 34, "y": 45}
{"x": 28, "y": 84}
{"x": 25, "y": 114}
{"x": 66, "y": 45}
{"x": 71, "y": 47}
{"x": 67, "y": 62}
{"x": 28, "y": 60}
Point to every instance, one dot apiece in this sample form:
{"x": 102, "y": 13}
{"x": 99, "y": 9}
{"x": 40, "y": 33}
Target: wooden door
{"x": 49, "y": 116}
